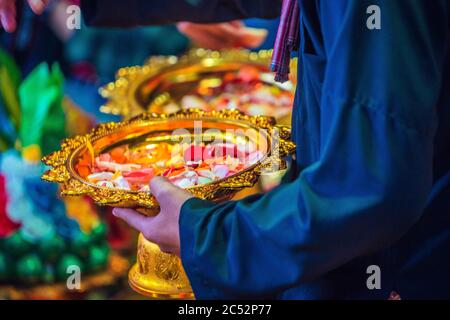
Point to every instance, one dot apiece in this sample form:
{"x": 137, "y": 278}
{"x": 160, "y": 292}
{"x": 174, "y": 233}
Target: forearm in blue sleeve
{"x": 371, "y": 182}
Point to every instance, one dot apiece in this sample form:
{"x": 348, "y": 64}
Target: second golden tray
{"x": 210, "y": 80}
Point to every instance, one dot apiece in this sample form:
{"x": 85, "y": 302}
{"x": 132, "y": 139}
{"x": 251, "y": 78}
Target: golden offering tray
{"x": 163, "y": 80}
{"x": 159, "y": 274}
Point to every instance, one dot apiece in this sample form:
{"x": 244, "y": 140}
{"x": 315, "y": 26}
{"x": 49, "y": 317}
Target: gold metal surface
{"x": 158, "y": 274}
{"x": 165, "y": 79}
{"x": 160, "y": 127}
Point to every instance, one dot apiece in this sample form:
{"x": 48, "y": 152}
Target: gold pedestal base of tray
{"x": 158, "y": 275}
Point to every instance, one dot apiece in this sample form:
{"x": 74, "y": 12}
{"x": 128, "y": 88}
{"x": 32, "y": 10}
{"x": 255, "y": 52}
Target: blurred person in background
{"x": 89, "y": 57}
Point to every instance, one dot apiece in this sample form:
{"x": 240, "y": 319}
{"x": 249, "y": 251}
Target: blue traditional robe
{"x": 371, "y": 180}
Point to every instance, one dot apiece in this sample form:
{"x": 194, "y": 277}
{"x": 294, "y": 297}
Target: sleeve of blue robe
{"x": 372, "y": 179}
{"x": 129, "y": 13}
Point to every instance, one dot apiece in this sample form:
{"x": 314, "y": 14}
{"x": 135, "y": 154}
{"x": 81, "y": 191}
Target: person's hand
{"x": 8, "y": 12}
{"x": 218, "y": 36}
{"x": 163, "y": 228}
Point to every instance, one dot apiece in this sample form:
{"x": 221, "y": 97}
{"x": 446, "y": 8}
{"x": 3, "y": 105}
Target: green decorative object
{"x": 41, "y": 95}
{"x": 33, "y": 122}
{"x": 66, "y": 261}
{"x": 49, "y": 274}
{"x": 98, "y": 257}
{"x": 80, "y": 245}
{"x": 30, "y": 268}
{"x": 6, "y": 270}
{"x": 17, "y": 245}
{"x": 52, "y": 248}
{"x": 98, "y": 233}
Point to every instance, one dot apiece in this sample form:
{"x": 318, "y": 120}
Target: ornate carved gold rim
{"x": 63, "y": 172}
{"x": 121, "y": 92}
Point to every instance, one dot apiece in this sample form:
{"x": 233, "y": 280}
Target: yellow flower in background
{"x": 81, "y": 210}
{"x": 32, "y": 153}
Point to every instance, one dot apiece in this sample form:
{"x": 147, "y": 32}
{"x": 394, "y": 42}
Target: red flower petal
{"x": 7, "y": 227}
